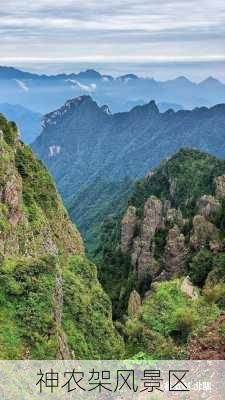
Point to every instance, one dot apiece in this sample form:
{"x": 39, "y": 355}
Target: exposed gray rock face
{"x": 188, "y": 288}
{"x": 153, "y": 219}
{"x": 134, "y": 304}
{"x": 143, "y": 248}
{"x": 27, "y": 242}
{"x": 203, "y": 232}
{"x": 129, "y": 223}
{"x": 208, "y": 205}
{"x": 12, "y": 196}
{"x": 21, "y": 234}
{"x": 220, "y": 186}
{"x": 173, "y": 186}
{"x": 64, "y": 352}
{"x": 10, "y": 200}
{"x": 175, "y": 252}
{"x": 174, "y": 216}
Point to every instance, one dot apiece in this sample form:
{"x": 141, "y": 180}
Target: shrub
{"x": 216, "y": 294}
{"x": 200, "y": 266}
{"x": 168, "y": 318}
{"x": 184, "y": 322}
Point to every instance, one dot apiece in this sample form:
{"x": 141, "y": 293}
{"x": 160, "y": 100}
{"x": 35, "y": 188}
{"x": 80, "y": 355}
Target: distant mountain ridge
{"x": 81, "y": 142}
{"x": 15, "y": 73}
{"x": 28, "y": 121}
{"x": 45, "y": 92}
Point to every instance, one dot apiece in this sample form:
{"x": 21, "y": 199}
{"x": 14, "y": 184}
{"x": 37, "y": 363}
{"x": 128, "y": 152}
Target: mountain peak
{"x": 106, "y": 109}
{"x": 150, "y": 108}
{"x": 182, "y": 79}
{"x": 210, "y": 81}
{"x": 14, "y": 73}
{"x": 78, "y": 100}
{"x": 53, "y": 117}
{"x": 89, "y": 74}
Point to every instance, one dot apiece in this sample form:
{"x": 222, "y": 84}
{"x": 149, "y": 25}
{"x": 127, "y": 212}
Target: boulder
{"x": 188, "y": 288}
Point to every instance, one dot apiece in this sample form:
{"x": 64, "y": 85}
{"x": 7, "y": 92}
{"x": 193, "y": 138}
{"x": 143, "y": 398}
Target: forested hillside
{"x": 162, "y": 261}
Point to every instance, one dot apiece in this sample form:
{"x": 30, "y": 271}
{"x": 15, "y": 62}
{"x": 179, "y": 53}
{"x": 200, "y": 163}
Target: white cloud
{"x": 85, "y": 88}
{"x": 119, "y": 30}
{"x": 22, "y": 85}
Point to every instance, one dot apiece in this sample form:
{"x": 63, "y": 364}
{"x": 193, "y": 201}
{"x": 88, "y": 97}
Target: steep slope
{"x": 82, "y": 142}
{"x": 28, "y": 121}
{"x": 96, "y": 202}
{"x": 174, "y": 227}
{"x": 52, "y": 305}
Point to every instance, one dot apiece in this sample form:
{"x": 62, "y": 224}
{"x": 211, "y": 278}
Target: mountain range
{"x": 82, "y": 142}
{"x": 160, "y": 257}
{"x": 43, "y": 93}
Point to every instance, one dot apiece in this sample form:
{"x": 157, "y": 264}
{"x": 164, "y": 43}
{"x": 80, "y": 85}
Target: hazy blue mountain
{"x": 82, "y": 143}
{"x": 44, "y": 93}
{"x": 163, "y": 107}
{"x": 13, "y": 73}
{"x": 28, "y": 122}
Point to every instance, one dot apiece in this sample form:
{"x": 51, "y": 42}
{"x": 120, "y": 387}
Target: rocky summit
{"x": 52, "y": 305}
{"x": 86, "y": 146}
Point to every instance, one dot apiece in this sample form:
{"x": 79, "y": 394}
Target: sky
{"x": 160, "y": 38}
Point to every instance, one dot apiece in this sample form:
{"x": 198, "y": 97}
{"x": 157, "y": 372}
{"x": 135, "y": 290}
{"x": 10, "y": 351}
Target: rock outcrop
{"x": 134, "y": 304}
{"x": 175, "y": 252}
{"x": 220, "y": 186}
{"x": 33, "y": 220}
{"x": 143, "y": 247}
{"x": 204, "y": 232}
{"x": 208, "y": 205}
{"x": 174, "y": 216}
{"x": 128, "y": 225}
{"x": 188, "y": 288}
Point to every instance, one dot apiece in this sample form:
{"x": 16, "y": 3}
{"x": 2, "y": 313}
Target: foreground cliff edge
{"x": 51, "y": 303}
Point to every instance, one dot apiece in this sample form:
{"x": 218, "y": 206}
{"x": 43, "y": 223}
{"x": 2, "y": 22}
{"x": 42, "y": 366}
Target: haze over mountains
{"x": 82, "y": 142}
{"x": 28, "y": 121}
{"x": 43, "y": 93}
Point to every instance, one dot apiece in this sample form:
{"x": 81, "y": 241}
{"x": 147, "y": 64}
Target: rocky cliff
{"x": 52, "y": 305}
{"x": 83, "y": 145}
{"x": 169, "y": 220}
{"x": 168, "y": 249}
